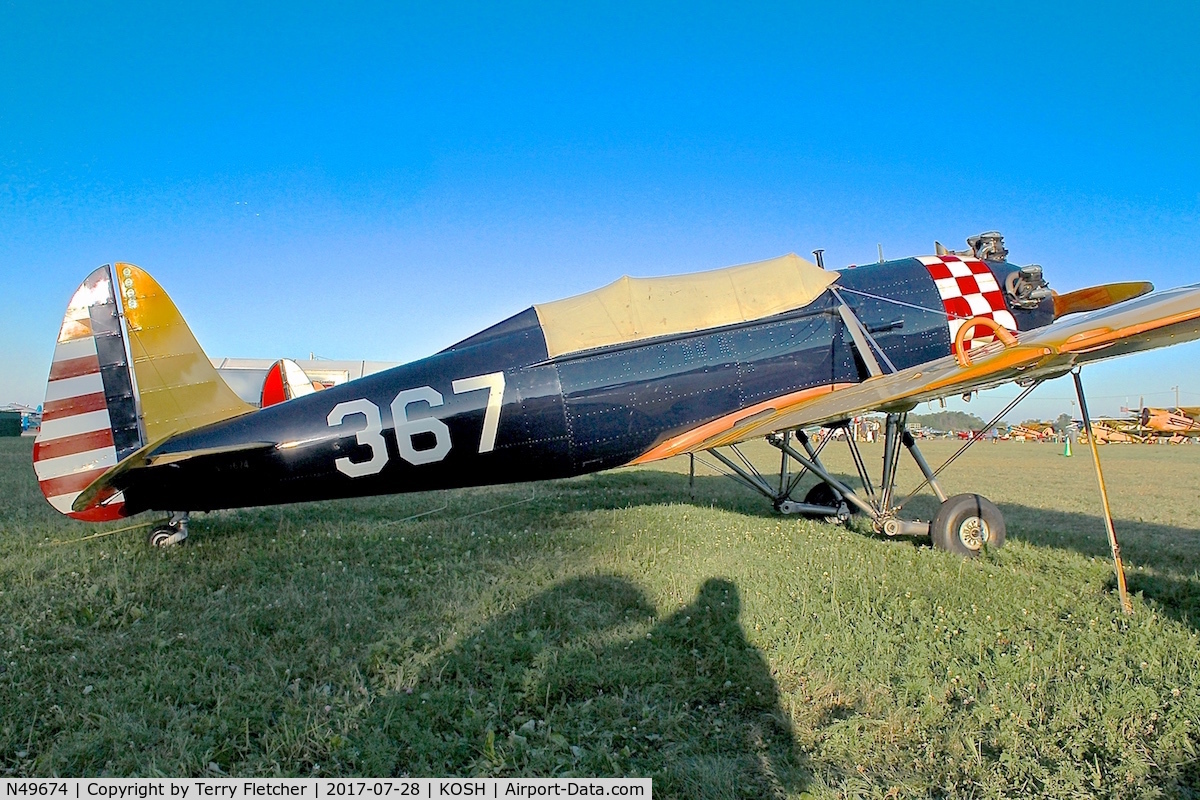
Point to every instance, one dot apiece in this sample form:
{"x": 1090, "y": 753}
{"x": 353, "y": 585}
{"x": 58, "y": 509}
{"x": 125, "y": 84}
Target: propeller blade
{"x": 1103, "y": 296}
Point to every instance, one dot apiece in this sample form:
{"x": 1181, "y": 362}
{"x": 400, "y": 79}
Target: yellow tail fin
{"x": 177, "y": 386}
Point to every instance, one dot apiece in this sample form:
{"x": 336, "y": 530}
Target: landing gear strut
{"x": 172, "y": 533}
{"x": 964, "y": 524}
{"x": 878, "y": 506}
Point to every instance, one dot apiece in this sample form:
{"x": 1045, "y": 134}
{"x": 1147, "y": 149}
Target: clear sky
{"x": 379, "y": 181}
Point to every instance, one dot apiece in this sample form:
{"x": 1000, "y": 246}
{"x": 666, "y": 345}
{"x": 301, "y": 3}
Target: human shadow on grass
{"x": 584, "y": 679}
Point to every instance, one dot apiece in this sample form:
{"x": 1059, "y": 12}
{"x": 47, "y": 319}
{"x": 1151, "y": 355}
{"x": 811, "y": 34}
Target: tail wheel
{"x": 965, "y": 524}
{"x": 166, "y": 536}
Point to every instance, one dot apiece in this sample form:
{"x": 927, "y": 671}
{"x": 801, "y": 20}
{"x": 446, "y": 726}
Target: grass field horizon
{"x": 613, "y": 625}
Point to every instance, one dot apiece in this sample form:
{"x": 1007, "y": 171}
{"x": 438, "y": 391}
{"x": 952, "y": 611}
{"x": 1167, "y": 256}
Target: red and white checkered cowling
{"x": 968, "y": 289}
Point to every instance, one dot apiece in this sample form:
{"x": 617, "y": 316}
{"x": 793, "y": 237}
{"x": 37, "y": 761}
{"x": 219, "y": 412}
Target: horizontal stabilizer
{"x": 103, "y": 486}
{"x": 187, "y": 455}
{"x": 99, "y": 490}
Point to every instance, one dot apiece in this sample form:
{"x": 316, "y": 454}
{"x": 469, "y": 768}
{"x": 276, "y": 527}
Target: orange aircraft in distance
{"x": 1177, "y": 423}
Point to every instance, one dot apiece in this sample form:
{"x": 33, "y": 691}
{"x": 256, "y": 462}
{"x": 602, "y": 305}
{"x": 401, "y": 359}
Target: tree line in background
{"x": 962, "y": 421}
{"x": 947, "y": 421}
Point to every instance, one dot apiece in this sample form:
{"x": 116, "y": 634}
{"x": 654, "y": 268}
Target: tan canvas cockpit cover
{"x": 629, "y": 309}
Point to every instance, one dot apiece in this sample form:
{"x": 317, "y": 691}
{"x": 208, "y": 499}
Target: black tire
{"x": 966, "y": 524}
{"x": 823, "y": 495}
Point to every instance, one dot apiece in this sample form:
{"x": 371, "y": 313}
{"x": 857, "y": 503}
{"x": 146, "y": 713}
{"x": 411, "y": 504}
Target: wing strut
{"x": 932, "y": 477}
{"x": 1118, "y": 567}
{"x": 863, "y": 340}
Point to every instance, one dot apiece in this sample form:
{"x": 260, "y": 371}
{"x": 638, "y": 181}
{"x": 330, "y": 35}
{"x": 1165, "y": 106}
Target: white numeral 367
{"x": 371, "y": 436}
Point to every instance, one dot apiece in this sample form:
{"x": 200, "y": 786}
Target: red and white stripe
{"x": 968, "y": 289}
{"x": 75, "y": 445}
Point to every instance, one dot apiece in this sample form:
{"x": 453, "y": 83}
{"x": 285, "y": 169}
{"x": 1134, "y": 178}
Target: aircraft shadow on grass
{"x": 1143, "y": 544}
{"x": 568, "y": 681}
{"x": 1169, "y": 580}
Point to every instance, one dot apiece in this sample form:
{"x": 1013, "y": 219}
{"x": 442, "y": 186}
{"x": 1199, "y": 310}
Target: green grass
{"x": 610, "y": 625}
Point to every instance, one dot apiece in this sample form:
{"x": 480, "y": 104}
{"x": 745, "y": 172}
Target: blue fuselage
{"x": 577, "y": 413}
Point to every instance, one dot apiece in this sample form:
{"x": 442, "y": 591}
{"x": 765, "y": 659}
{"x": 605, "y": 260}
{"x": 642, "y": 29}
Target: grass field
{"x": 611, "y": 625}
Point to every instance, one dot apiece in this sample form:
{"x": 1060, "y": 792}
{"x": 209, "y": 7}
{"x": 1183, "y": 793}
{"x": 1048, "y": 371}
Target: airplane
{"x": 1114, "y": 431}
{"x": 1175, "y": 423}
{"x": 1147, "y": 425}
{"x": 1034, "y": 431}
{"x": 136, "y": 417}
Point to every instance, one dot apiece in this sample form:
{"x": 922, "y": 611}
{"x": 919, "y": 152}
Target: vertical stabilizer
{"x": 105, "y": 402}
{"x": 177, "y": 385}
{"x": 89, "y": 418}
{"x": 285, "y": 380}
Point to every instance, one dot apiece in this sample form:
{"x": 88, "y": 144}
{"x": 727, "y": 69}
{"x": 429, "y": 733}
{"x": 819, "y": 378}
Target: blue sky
{"x": 379, "y": 181}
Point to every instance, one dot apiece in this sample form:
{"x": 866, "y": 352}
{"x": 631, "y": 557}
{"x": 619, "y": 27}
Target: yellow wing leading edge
{"x": 1144, "y": 323}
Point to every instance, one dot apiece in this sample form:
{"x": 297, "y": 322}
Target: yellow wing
{"x": 1147, "y": 322}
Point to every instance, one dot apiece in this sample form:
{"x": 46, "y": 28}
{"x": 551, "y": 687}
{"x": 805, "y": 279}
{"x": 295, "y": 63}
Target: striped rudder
{"x": 127, "y": 372}
{"x": 89, "y": 418}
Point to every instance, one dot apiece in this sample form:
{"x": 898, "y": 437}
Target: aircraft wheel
{"x": 823, "y": 495}
{"x": 965, "y": 524}
{"x": 165, "y": 536}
